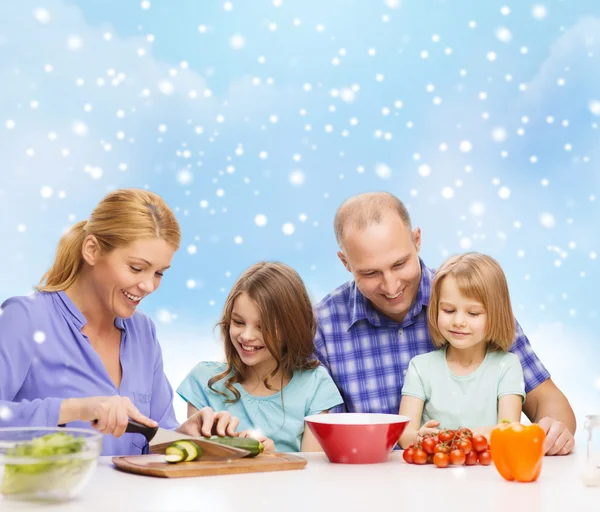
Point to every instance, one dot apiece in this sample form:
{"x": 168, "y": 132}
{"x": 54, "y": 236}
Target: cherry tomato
{"x": 419, "y": 456}
{"x": 465, "y": 445}
{"x": 441, "y": 460}
{"x": 446, "y": 436}
{"x": 465, "y": 432}
{"x": 428, "y": 444}
{"x": 457, "y": 457}
{"x": 436, "y": 439}
{"x": 408, "y": 455}
{"x": 441, "y": 448}
{"x": 471, "y": 459}
{"x": 485, "y": 458}
{"x": 479, "y": 443}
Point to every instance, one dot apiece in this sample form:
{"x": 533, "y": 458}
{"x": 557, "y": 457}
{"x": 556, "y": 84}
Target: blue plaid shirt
{"x": 367, "y": 353}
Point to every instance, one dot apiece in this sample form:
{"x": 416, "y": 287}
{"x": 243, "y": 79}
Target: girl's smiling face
{"x": 461, "y": 321}
{"x": 246, "y": 335}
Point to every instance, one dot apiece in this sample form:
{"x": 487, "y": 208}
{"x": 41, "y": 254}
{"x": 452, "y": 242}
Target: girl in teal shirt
{"x": 270, "y": 380}
{"x": 472, "y": 380}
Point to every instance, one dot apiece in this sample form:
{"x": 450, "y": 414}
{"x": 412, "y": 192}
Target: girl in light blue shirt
{"x": 472, "y": 380}
{"x": 269, "y": 380}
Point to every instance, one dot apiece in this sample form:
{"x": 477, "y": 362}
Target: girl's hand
{"x": 428, "y": 429}
{"x": 268, "y": 443}
{"x": 207, "y": 422}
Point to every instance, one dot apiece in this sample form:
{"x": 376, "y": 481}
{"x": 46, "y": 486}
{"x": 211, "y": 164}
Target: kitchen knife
{"x": 160, "y": 438}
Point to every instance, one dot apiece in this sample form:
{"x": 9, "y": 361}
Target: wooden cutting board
{"x": 155, "y": 465}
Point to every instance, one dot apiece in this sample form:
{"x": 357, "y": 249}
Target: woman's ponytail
{"x": 67, "y": 262}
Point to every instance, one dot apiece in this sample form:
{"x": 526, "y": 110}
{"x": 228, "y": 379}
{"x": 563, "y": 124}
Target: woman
{"x": 77, "y": 352}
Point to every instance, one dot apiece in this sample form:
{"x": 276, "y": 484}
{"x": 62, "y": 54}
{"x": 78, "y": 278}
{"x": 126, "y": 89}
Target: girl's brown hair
{"x": 288, "y": 324}
{"x": 122, "y": 217}
{"x": 479, "y": 277}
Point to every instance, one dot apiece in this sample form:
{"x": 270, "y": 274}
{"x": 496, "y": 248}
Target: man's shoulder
{"x": 336, "y": 299}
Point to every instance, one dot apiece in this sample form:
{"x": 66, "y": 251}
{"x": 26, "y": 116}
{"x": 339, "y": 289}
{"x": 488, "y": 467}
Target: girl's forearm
{"x": 408, "y": 437}
{"x": 484, "y": 431}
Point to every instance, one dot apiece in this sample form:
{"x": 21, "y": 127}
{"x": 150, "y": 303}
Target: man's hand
{"x": 559, "y": 439}
{"x": 207, "y": 422}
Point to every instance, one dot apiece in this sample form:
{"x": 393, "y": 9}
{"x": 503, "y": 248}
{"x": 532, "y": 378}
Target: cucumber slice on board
{"x": 192, "y": 449}
{"x": 174, "y": 454}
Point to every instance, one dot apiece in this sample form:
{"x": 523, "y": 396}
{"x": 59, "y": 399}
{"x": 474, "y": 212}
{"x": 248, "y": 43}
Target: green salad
{"x": 45, "y": 476}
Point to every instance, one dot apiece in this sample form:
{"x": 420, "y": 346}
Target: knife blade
{"x": 160, "y": 438}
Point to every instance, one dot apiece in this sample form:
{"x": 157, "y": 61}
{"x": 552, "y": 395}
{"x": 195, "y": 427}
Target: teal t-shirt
{"x": 308, "y": 392}
{"x": 463, "y": 401}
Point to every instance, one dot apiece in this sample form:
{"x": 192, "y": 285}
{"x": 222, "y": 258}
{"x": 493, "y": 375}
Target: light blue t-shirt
{"x": 308, "y": 392}
{"x": 463, "y": 400}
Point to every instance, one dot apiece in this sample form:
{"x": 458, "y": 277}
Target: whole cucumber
{"x": 245, "y": 443}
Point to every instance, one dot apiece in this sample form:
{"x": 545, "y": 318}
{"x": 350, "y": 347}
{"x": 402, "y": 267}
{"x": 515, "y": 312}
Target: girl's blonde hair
{"x": 122, "y": 217}
{"x": 288, "y": 324}
{"x": 479, "y": 277}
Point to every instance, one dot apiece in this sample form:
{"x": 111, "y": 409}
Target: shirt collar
{"x": 68, "y": 307}
{"x": 362, "y": 309}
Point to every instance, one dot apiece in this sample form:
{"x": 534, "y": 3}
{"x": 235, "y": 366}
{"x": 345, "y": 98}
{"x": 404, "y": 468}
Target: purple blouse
{"x": 45, "y": 358}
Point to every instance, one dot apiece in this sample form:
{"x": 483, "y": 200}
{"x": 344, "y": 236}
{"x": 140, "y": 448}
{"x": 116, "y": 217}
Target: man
{"x": 371, "y": 327}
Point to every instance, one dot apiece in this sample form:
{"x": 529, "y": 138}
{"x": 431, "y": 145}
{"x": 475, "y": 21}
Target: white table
{"x": 393, "y": 486}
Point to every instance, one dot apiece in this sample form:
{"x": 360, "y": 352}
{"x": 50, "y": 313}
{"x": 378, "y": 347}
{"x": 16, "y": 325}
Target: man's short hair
{"x": 365, "y": 209}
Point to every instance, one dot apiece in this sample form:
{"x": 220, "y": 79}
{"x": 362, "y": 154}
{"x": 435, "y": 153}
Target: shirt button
{"x": 400, "y": 331}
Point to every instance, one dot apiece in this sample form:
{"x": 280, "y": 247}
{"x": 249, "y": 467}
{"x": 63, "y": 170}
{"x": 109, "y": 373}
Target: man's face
{"x": 384, "y": 261}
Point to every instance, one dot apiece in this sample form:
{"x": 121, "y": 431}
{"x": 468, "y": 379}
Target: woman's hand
{"x": 267, "y": 443}
{"x": 107, "y": 414}
{"x": 207, "y": 422}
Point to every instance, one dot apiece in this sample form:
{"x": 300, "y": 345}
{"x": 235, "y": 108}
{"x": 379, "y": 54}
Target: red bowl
{"x": 357, "y": 438}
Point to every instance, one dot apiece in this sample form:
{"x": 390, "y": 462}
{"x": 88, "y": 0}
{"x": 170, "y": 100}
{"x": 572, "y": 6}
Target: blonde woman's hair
{"x": 122, "y": 217}
{"x": 479, "y": 277}
{"x": 287, "y": 321}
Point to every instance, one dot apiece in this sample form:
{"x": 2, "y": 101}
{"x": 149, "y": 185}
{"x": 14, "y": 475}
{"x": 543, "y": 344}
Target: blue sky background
{"x": 482, "y": 116}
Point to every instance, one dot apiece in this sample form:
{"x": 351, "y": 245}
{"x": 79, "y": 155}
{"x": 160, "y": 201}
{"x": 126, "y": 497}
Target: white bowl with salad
{"x": 50, "y": 464}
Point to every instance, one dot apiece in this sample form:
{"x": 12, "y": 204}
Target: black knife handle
{"x": 133, "y": 427}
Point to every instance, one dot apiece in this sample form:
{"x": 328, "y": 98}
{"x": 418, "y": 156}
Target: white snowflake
{"x": 79, "y": 128}
{"x": 297, "y": 178}
{"x": 539, "y": 11}
{"x": 504, "y": 192}
{"x": 477, "y": 209}
{"x": 237, "y": 41}
{"x": 383, "y": 171}
{"x": 424, "y": 170}
{"x": 503, "y": 34}
{"x": 547, "y": 220}
{"x": 465, "y": 146}
{"x": 185, "y": 177}
{"x": 42, "y": 15}
{"x": 447, "y": 192}
{"x": 260, "y": 220}
{"x": 288, "y": 228}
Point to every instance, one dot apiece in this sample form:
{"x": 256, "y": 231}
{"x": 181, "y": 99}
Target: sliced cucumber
{"x": 175, "y": 453}
{"x": 192, "y": 449}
